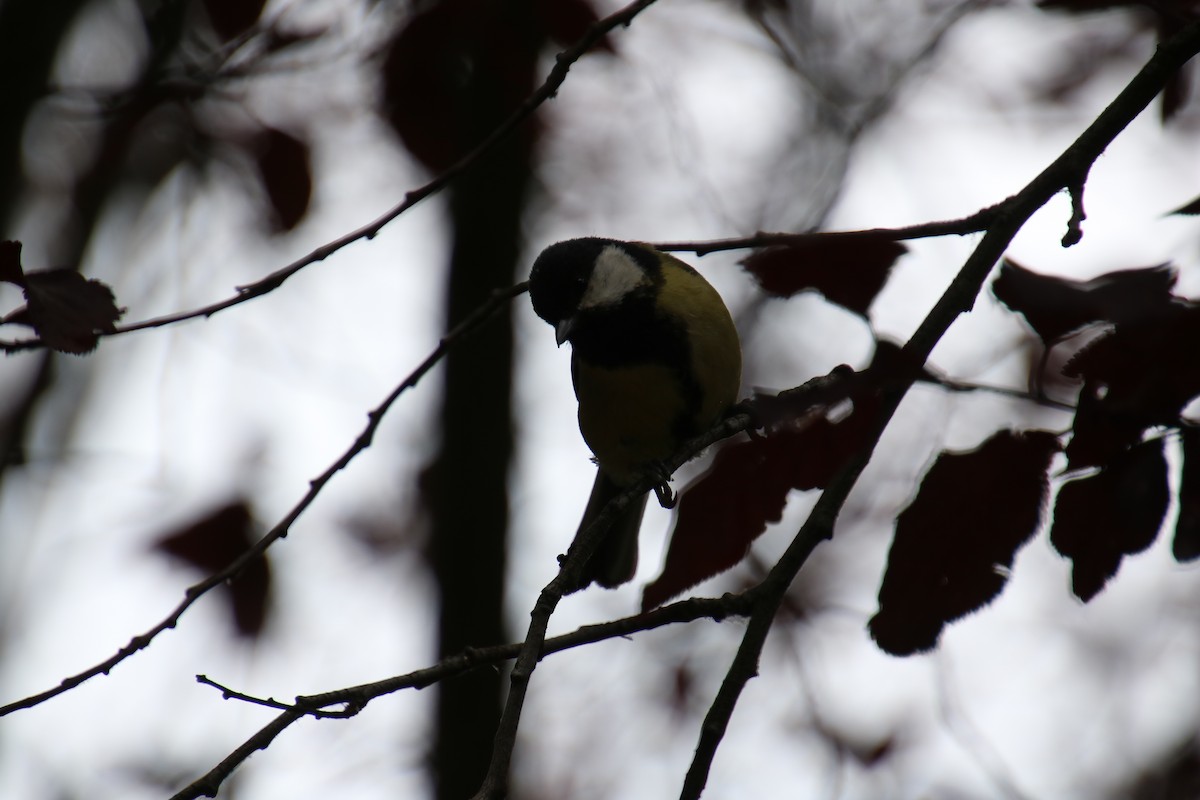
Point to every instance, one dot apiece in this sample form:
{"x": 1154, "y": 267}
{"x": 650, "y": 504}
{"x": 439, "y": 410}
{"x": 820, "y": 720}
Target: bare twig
{"x": 270, "y": 702}
{"x": 1066, "y": 172}
{"x": 547, "y": 90}
{"x": 974, "y": 223}
{"x": 468, "y": 326}
{"x": 355, "y": 698}
{"x": 558, "y": 74}
{"x": 495, "y": 784}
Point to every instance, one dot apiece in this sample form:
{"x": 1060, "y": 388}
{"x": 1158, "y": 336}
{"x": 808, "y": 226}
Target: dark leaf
{"x": 1085, "y": 6}
{"x": 211, "y": 544}
{"x": 424, "y": 77}
{"x": 1100, "y": 519}
{"x": 1141, "y": 374}
{"x": 1153, "y": 14}
{"x": 1054, "y": 307}
{"x": 1190, "y": 209}
{"x": 566, "y": 21}
{"x": 1186, "y": 545}
{"x": 453, "y": 73}
{"x": 285, "y": 168}
{"x": 724, "y": 510}
{"x": 232, "y": 17}
{"x": 68, "y": 311}
{"x": 957, "y": 540}
{"x": 1098, "y": 434}
{"x": 10, "y": 263}
{"x": 1175, "y": 94}
{"x": 849, "y": 270}
{"x": 1164, "y": 18}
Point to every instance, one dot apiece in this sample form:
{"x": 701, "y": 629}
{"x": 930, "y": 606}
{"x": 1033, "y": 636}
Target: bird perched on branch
{"x": 655, "y": 361}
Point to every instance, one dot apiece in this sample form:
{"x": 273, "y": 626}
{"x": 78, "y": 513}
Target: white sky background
{"x": 689, "y": 133}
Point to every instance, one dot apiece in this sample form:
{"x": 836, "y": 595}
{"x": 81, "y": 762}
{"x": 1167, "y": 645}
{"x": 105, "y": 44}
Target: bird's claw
{"x": 662, "y": 486}
{"x": 666, "y": 496}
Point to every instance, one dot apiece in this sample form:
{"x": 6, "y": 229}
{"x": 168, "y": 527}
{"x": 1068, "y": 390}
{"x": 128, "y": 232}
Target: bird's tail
{"x": 615, "y": 561}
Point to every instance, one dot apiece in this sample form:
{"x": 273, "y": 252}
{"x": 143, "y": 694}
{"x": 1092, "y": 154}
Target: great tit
{"x": 655, "y": 360}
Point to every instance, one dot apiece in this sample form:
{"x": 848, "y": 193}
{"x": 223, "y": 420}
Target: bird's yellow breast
{"x": 628, "y": 415}
{"x": 635, "y": 415}
{"x": 716, "y": 352}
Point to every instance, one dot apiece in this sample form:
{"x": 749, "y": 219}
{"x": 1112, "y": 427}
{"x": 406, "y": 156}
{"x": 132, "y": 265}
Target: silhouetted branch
{"x": 1068, "y": 172}
{"x": 558, "y": 74}
{"x": 496, "y": 782}
{"x": 270, "y": 702}
{"x": 193, "y": 593}
{"x": 355, "y": 698}
{"x": 974, "y": 223}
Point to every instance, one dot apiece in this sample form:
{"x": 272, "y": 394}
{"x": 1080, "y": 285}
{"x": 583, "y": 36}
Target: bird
{"x": 655, "y": 361}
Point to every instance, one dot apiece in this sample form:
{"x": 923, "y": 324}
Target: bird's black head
{"x": 560, "y": 276}
{"x": 572, "y": 276}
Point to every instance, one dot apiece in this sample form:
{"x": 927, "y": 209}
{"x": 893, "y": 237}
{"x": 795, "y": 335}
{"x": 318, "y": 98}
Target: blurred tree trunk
{"x": 470, "y": 475}
{"x": 31, "y": 35}
{"x": 31, "y": 32}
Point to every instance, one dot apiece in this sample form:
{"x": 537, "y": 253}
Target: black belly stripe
{"x": 632, "y": 334}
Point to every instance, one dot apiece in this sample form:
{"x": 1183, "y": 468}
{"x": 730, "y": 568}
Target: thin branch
{"x": 968, "y": 387}
{"x": 355, "y": 698}
{"x": 270, "y": 702}
{"x": 974, "y": 223}
{"x": 1066, "y": 172}
{"x": 472, "y": 323}
{"x": 558, "y": 74}
{"x": 495, "y": 784}
{"x": 209, "y": 784}
{"x": 818, "y": 391}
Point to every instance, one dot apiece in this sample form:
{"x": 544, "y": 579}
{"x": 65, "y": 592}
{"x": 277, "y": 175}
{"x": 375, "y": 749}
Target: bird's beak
{"x": 562, "y": 331}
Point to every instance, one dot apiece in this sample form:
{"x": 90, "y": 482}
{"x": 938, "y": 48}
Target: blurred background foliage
{"x": 177, "y": 150}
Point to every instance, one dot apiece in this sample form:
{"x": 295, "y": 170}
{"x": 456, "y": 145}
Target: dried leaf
{"x": 566, "y": 21}
{"x": 230, "y": 18}
{"x": 1141, "y": 374}
{"x": 10, "y": 263}
{"x": 1189, "y": 209}
{"x": 285, "y": 169}
{"x": 1186, "y": 544}
{"x": 724, "y": 510}
{"x": 68, "y": 311}
{"x": 1100, "y": 519}
{"x": 849, "y": 270}
{"x": 453, "y": 73}
{"x": 1055, "y": 307}
{"x": 956, "y": 541}
{"x": 211, "y": 543}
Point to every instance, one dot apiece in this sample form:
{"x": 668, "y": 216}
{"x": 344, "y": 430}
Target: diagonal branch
{"x": 745, "y": 418}
{"x": 1066, "y": 172}
{"x": 356, "y": 698}
{"x": 550, "y": 86}
{"x": 495, "y": 784}
{"x": 470, "y": 325}
{"x": 974, "y": 223}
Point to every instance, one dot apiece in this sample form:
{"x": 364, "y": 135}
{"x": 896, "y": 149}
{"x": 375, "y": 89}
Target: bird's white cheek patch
{"x": 614, "y": 276}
